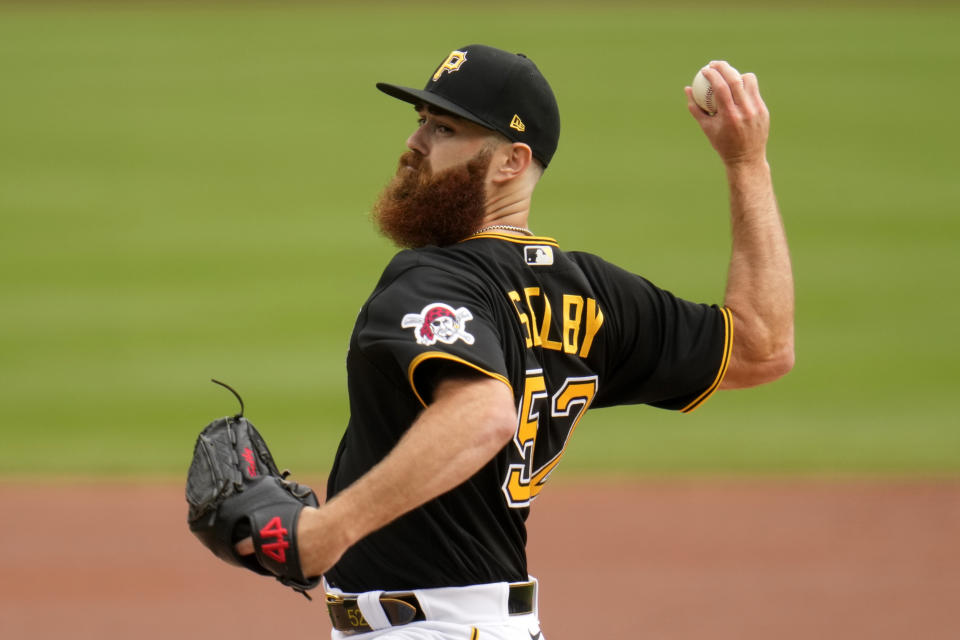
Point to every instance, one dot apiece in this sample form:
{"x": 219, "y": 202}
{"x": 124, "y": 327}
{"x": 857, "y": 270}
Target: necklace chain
{"x": 505, "y": 227}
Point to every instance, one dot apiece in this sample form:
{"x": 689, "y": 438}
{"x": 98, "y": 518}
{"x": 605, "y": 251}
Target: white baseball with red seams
{"x": 703, "y": 93}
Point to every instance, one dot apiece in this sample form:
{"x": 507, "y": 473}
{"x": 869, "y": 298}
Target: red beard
{"x": 419, "y": 208}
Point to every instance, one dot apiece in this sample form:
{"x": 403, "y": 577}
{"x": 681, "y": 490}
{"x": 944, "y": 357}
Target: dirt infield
{"x": 670, "y": 560}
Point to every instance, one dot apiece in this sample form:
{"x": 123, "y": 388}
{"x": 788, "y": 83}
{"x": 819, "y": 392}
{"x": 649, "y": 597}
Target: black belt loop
{"x": 404, "y": 608}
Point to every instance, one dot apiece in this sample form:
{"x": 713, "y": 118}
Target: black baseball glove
{"x": 235, "y": 491}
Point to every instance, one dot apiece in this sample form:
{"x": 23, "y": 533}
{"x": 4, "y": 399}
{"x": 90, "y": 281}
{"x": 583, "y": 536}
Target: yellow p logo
{"x": 453, "y": 63}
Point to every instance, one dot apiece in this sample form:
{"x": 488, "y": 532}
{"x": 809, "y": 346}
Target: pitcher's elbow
{"x": 782, "y": 364}
{"x": 753, "y": 369}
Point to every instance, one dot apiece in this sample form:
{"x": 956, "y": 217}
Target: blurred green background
{"x": 185, "y": 188}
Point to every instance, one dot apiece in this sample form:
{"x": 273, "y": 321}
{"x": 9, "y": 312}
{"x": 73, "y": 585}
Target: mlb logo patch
{"x": 538, "y": 255}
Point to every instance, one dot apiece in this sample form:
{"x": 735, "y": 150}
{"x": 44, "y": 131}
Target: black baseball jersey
{"x": 566, "y": 332}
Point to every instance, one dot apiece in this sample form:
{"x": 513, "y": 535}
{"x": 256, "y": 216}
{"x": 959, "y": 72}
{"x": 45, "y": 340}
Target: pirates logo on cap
{"x": 438, "y": 322}
{"x": 453, "y": 63}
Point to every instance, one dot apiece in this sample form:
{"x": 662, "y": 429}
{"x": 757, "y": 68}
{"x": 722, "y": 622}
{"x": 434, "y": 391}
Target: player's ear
{"x": 510, "y": 161}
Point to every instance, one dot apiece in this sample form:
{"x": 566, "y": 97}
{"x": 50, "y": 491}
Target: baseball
{"x": 703, "y": 93}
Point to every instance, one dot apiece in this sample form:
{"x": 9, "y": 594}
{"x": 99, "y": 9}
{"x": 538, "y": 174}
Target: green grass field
{"x": 184, "y": 194}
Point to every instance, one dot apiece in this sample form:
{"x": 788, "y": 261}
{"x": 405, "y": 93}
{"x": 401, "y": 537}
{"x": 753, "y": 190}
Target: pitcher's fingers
{"x": 722, "y": 95}
{"x": 752, "y": 87}
{"x": 695, "y": 110}
{"x": 244, "y": 547}
{"x": 732, "y": 79}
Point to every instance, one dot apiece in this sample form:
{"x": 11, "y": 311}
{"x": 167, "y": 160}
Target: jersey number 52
{"x": 566, "y": 406}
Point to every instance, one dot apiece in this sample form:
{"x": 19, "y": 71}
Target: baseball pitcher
{"x": 480, "y": 350}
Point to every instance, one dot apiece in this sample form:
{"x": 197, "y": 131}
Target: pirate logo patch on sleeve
{"x": 438, "y": 322}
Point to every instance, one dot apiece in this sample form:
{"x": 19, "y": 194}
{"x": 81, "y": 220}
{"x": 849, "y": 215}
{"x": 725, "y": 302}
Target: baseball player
{"x": 483, "y": 345}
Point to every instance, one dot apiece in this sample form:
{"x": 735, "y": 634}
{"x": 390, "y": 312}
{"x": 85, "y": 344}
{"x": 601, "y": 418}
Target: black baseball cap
{"x": 496, "y": 89}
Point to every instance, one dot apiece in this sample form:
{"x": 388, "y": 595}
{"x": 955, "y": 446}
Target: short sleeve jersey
{"x": 565, "y": 331}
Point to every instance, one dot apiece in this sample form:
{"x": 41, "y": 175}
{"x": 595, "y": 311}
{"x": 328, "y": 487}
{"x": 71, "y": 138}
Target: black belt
{"x": 404, "y": 608}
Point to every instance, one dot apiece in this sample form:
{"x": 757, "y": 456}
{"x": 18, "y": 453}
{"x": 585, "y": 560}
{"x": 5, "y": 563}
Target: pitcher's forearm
{"x": 759, "y": 291}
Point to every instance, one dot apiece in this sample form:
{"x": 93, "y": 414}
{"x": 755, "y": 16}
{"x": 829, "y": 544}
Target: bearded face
{"x": 420, "y": 208}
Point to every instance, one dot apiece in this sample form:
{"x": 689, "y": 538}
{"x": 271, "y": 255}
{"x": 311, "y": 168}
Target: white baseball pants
{"x": 477, "y": 612}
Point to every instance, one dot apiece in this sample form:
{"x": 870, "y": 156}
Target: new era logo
{"x": 517, "y": 123}
{"x": 538, "y": 255}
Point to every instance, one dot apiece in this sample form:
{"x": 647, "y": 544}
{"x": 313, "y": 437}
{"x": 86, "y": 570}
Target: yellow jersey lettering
{"x": 547, "y": 343}
{"x": 535, "y": 388}
{"x": 594, "y": 322}
{"x": 515, "y": 298}
{"x": 578, "y": 325}
{"x": 517, "y": 485}
{"x": 533, "y": 292}
{"x": 571, "y": 322}
{"x": 524, "y": 480}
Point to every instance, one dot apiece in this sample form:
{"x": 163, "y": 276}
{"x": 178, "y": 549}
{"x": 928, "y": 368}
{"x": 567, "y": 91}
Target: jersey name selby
{"x": 580, "y": 320}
